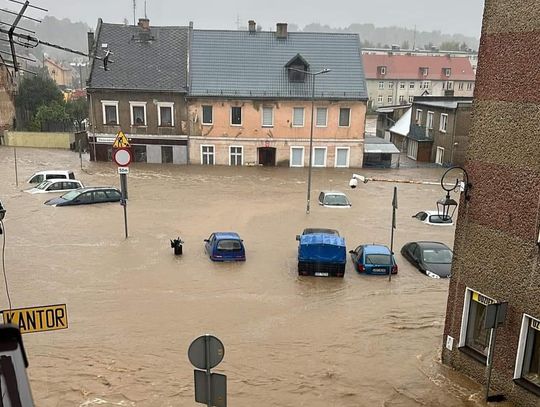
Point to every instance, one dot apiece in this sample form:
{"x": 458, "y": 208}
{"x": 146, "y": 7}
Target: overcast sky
{"x": 455, "y": 16}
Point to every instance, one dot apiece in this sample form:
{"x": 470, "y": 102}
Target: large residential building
{"x": 397, "y": 79}
{"x": 497, "y": 242}
{"x": 251, "y": 95}
{"x": 59, "y": 73}
{"x": 142, "y": 92}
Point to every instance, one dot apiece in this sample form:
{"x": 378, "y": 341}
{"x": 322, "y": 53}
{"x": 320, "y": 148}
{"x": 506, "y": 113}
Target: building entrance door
{"x": 267, "y": 156}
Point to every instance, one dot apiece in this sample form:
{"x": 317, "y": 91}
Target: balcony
{"x": 420, "y": 133}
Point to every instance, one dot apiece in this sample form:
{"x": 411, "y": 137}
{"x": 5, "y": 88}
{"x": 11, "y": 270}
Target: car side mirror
{"x": 298, "y": 237}
{"x": 206, "y": 240}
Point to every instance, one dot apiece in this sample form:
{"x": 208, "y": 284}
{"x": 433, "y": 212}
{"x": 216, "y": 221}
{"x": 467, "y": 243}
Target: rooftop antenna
{"x": 237, "y": 21}
{"x": 414, "y": 39}
{"x": 17, "y": 38}
{"x": 145, "y": 16}
{"x": 134, "y": 12}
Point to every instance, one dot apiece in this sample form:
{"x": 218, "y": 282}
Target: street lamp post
{"x": 313, "y": 75}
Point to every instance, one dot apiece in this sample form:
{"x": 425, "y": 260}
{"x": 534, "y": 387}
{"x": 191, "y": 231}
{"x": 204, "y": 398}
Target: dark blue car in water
{"x": 373, "y": 259}
{"x": 225, "y": 246}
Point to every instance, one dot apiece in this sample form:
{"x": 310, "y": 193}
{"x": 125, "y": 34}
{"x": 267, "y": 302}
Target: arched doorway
{"x": 267, "y": 156}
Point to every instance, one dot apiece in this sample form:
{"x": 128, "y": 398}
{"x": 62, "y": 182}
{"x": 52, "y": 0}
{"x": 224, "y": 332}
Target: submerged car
{"x": 432, "y": 258}
{"x": 373, "y": 259}
{"x": 40, "y": 176}
{"x": 87, "y": 195}
{"x": 55, "y": 185}
{"x": 225, "y": 246}
{"x": 433, "y": 218}
{"x": 334, "y": 199}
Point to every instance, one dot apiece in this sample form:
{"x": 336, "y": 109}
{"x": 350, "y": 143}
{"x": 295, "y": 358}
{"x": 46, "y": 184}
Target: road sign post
{"x": 206, "y": 352}
{"x": 122, "y": 157}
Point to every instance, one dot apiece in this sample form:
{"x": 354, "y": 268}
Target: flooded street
{"x": 134, "y": 308}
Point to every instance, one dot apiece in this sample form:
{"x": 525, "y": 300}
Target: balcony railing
{"x": 420, "y": 133}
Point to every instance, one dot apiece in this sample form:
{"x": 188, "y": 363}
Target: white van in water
{"x": 41, "y": 176}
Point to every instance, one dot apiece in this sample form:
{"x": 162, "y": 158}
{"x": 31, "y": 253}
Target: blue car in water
{"x": 225, "y": 246}
{"x": 373, "y": 259}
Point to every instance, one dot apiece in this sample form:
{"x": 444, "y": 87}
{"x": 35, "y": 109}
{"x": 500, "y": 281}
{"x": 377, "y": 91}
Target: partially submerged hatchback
{"x": 225, "y": 246}
{"x": 433, "y": 218}
{"x": 55, "y": 185}
{"x": 87, "y": 196}
{"x": 40, "y": 176}
{"x": 373, "y": 259}
{"x": 334, "y": 199}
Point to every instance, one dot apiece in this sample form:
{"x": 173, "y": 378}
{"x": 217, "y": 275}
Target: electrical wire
{"x": 4, "y": 260}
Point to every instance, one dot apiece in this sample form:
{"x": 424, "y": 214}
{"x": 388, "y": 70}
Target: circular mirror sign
{"x": 122, "y": 157}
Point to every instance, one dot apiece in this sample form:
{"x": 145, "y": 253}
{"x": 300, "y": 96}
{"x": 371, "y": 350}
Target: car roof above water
{"x": 227, "y": 235}
{"x": 376, "y": 249}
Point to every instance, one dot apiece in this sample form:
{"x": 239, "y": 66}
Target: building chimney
{"x": 144, "y": 23}
{"x": 281, "y": 31}
{"x": 252, "y": 26}
{"x": 90, "y": 38}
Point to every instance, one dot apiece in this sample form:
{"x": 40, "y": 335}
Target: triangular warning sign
{"x": 120, "y": 140}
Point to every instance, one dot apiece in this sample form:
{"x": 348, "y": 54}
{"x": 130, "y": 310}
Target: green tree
{"x": 35, "y": 91}
{"x": 54, "y": 112}
{"x": 77, "y": 110}
{"x": 450, "y": 46}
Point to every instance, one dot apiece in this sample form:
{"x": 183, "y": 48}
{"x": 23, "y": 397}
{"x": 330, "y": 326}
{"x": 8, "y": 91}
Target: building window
{"x": 460, "y": 86}
{"x": 389, "y": 99}
{"x": 412, "y": 149}
{"x": 425, "y": 84}
{"x": 297, "y": 72}
{"x": 444, "y": 122}
{"x": 139, "y": 153}
{"x": 110, "y": 112}
{"x": 297, "y": 156}
{"x": 165, "y": 114}
{"x": 447, "y": 72}
{"x": 344, "y": 117}
{"x": 449, "y": 85}
{"x": 402, "y": 85}
{"x": 429, "y": 120}
{"x": 236, "y": 155}
{"x": 207, "y": 115}
{"x": 390, "y": 85}
{"x": 382, "y": 70}
{"x": 207, "y": 155}
{"x": 469, "y": 85}
{"x": 236, "y": 115}
{"x": 411, "y": 85}
{"x": 411, "y": 99}
{"x": 528, "y": 358}
{"x": 381, "y": 85}
{"x": 424, "y": 71}
{"x": 138, "y": 113}
{"x": 439, "y": 157}
{"x": 319, "y": 157}
{"x": 322, "y": 117}
{"x": 473, "y": 334}
{"x": 380, "y": 99}
{"x": 166, "y": 154}
{"x": 418, "y": 117}
{"x": 298, "y": 117}
{"x": 401, "y": 98}
{"x": 267, "y": 116}
{"x": 342, "y": 157}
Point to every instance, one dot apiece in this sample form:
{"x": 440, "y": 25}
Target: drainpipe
{"x": 453, "y": 136}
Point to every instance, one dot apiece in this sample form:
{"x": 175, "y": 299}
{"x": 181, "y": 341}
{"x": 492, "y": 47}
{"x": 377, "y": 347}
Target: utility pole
{"x": 134, "y": 12}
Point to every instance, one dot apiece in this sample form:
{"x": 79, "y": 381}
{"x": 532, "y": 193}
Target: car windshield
{"x": 437, "y": 256}
{"x": 70, "y": 195}
{"x": 440, "y": 219}
{"x": 229, "y": 245}
{"x": 43, "y": 185}
{"x": 378, "y": 259}
{"x": 337, "y": 200}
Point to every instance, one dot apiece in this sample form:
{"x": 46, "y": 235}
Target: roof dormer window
{"x": 424, "y": 70}
{"x": 382, "y": 70}
{"x": 297, "y": 69}
{"x": 447, "y": 72}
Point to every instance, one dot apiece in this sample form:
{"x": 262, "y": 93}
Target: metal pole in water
{"x": 208, "y": 373}
{"x": 16, "y": 172}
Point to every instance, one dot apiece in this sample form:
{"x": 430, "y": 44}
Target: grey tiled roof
{"x": 157, "y": 65}
{"x": 243, "y": 64}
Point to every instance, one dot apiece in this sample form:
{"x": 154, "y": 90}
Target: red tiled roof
{"x": 408, "y": 67}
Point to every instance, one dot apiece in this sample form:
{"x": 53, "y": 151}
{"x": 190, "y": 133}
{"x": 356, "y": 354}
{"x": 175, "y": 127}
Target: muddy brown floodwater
{"x": 134, "y": 308}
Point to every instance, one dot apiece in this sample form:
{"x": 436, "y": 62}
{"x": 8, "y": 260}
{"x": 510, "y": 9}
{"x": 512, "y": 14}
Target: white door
{"x": 412, "y": 149}
{"x": 440, "y": 156}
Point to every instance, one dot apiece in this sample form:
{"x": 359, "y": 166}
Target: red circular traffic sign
{"x": 122, "y": 157}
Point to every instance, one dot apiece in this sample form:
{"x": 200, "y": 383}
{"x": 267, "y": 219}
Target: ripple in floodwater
{"x": 134, "y": 307}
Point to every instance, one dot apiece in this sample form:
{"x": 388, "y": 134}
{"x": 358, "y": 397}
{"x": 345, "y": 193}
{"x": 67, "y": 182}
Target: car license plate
{"x": 379, "y": 270}
{"x": 318, "y": 274}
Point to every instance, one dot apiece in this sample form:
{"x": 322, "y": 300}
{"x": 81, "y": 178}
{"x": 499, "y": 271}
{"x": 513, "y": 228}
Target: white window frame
{"x": 429, "y": 119}
{"x": 202, "y": 115}
{"x": 230, "y": 154}
{"x": 213, "y": 153}
{"x": 350, "y": 117}
{"x": 348, "y": 157}
{"x": 465, "y": 316}
{"x": 114, "y": 103}
{"x": 303, "y": 116}
{"x": 401, "y": 98}
{"x": 390, "y": 99}
{"x": 325, "y": 117}
{"x": 449, "y": 85}
{"x": 390, "y": 85}
{"x": 441, "y": 129}
{"x": 272, "y": 116}
{"x": 165, "y": 104}
{"x": 291, "y": 156}
{"x": 231, "y": 116}
{"x": 418, "y": 116}
{"x": 383, "y": 70}
{"x": 137, "y": 104}
{"x": 520, "y": 356}
{"x": 325, "y": 156}
{"x": 447, "y": 72}
{"x": 380, "y": 99}
{"x": 381, "y": 84}
{"x": 460, "y": 86}
{"x": 402, "y": 85}
{"x": 412, "y": 85}
{"x": 411, "y": 99}
{"x": 437, "y": 155}
{"x": 425, "y": 84}
{"x": 470, "y": 85}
